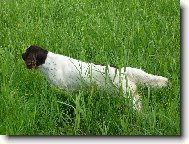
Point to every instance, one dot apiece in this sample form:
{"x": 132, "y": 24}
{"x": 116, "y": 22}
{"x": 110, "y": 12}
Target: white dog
{"x": 67, "y": 73}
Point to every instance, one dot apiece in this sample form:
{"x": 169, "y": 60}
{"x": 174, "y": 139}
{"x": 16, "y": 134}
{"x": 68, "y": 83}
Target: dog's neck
{"x": 50, "y": 62}
{"x": 55, "y": 68}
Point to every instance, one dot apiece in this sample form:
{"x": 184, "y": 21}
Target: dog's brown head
{"x": 34, "y": 56}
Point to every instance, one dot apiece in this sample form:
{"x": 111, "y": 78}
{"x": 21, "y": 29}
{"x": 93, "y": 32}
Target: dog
{"x": 67, "y": 73}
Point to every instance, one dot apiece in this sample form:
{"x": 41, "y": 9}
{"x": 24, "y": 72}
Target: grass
{"x": 143, "y": 34}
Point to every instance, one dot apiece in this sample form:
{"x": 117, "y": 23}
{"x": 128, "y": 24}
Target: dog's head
{"x": 34, "y": 56}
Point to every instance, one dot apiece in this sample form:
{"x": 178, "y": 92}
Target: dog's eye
{"x": 28, "y": 63}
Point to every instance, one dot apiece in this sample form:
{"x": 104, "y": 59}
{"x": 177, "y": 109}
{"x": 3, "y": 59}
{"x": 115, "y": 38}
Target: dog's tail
{"x": 139, "y": 76}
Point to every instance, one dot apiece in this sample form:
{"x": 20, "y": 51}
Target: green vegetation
{"x": 143, "y": 34}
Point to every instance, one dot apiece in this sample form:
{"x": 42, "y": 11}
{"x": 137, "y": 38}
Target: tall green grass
{"x": 143, "y": 34}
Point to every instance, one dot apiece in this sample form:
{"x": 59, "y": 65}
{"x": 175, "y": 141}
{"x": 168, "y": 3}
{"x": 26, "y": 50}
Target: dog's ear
{"x": 41, "y": 56}
{"x": 24, "y": 56}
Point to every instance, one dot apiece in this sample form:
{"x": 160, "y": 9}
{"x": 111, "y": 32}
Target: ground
{"x": 131, "y": 33}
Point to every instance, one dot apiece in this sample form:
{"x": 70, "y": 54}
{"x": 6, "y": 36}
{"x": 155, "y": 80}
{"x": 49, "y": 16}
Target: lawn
{"x": 142, "y": 34}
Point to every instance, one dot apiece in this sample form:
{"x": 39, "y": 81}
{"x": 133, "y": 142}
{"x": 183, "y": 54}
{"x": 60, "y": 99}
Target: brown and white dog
{"x": 67, "y": 73}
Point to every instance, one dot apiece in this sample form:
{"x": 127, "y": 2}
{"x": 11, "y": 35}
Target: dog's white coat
{"x": 67, "y": 73}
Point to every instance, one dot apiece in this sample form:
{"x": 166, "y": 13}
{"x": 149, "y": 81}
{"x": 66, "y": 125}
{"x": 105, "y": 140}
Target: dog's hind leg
{"x": 130, "y": 89}
{"x": 137, "y": 102}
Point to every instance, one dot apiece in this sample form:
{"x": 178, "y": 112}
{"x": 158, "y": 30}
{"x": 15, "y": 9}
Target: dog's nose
{"x": 29, "y": 66}
{"x": 23, "y": 57}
